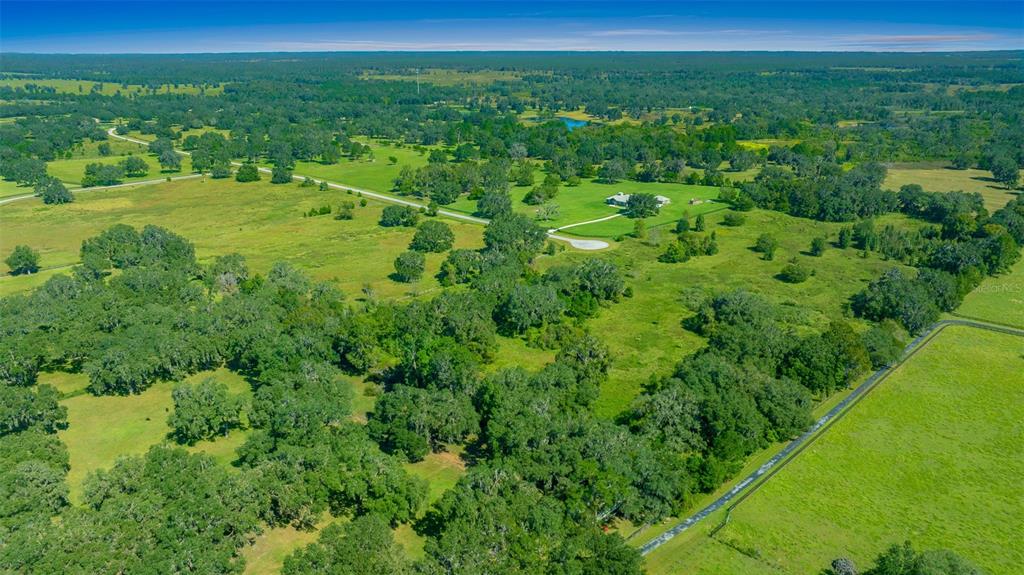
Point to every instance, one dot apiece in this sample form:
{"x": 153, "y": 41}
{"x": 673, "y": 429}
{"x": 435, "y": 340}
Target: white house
{"x": 621, "y": 200}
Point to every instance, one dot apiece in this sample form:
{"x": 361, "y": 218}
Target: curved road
{"x": 580, "y": 244}
{"x": 773, "y": 465}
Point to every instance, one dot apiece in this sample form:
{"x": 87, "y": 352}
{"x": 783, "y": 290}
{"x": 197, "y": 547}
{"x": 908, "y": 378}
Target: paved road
{"x": 580, "y": 244}
{"x": 772, "y": 465}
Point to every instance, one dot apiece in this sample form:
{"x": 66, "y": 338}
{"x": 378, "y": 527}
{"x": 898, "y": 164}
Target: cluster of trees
{"x": 689, "y": 245}
{"x": 53, "y": 191}
{"x": 753, "y": 384}
{"x": 442, "y": 183}
{"x": 905, "y": 560}
{"x": 822, "y": 191}
{"x": 164, "y": 316}
{"x": 951, "y": 260}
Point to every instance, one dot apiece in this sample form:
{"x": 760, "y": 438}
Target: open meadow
{"x": 938, "y": 177}
{"x": 644, "y": 332}
{"x": 931, "y": 455}
{"x": 67, "y": 86}
{"x": 262, "y": 221}
{"x": 998, "y": 299}
{"x": 103, "y": 428}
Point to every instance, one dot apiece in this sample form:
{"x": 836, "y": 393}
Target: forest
{"x": 550, "y": 479}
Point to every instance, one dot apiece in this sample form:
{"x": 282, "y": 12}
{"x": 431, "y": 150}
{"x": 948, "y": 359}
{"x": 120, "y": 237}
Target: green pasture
{"x": 998, "y": 299}
{"x": 8, "y": 189}
{"x": 586, "y": 202}
{"x": 262, "y": 221}
{"x": 72, "y": 170}
{"x": 104, "y": 428}
{"x": 64, "y": 86}
{"x": 644, "y": 332}
{"x": 936, "y": 177}
{"x": 376, "y": 175}
{"x": 932, "y": 455}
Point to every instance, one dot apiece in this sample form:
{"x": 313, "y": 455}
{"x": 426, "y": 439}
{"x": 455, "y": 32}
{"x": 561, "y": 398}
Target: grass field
{"x": 267, "y": 553}
{"x": 377, "y": 175}
{"x": 998, "y": 299}
{"x": 103, "y": 428}
{"x": 8, "y": 189}
{"x": 260, "y": 220}
{"x": 72, "y": 170}
{"x": 936, "y": 177}
{"x": 587, "y": 202}
{"x": 109, "y": 88}
{"x": 932, "y": 455}
{"x": 644, "y": 332}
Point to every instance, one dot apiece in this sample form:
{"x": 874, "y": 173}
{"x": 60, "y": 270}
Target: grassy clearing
{"x": 765, "y": 143}
{"x": 932, "y": 455}
{"x": 441, "y": 470}
{"x": 587, "y": 202}
{"x": 937, "y": 177}
{"x": 110, "y": 88}
{"x": 268, "y": 550}
{"x": 103, "y": 428}
{"x": 375, "y": 175}
{"x": 72, "y": 170}
{"x": 260, "y": 220}
{"x": 998, "y": 299}
{"x": 644, "y": 332}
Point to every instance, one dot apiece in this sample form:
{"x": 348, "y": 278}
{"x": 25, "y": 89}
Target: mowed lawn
{"x": 934, "y": 177}
{"x": 103, "y": 428}
{"x": 933, "y": 455}
{"x": 262, "y": 221}
{"x": 998, "y": 299}
{"x": 586, "y": 202}
{"x": 645, "y": 333}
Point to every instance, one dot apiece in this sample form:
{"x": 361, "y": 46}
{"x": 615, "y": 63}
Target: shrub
{"x": 433, "y": 236}
{"x": 733, "y": 219}
{"x": 409, "y": 266}
{"x": 766, "y": 245}
{"x": 23, "y": 260}
{"x": 247, "y": 173}
{"x": 280, "y": 175}
{"x": 795, "y": 272}
{"x": 53, "y": 191}
{"x": 818, "y": 247}
{"x": 345, "y": 211}
{"x": 220, "y": 170}
{"x": 405, "y": 216}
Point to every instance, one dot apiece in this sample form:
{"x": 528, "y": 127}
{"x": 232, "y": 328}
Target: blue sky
{"x": 240, "y": 26}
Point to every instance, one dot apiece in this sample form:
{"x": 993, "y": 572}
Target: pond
{"x": 572, "y": 123}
